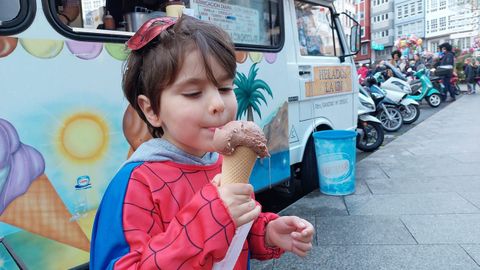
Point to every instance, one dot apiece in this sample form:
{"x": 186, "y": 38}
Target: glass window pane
{"x": 253, "y": 22}
{"x": 9, "y": 9}
{"x": 315, "y": 32}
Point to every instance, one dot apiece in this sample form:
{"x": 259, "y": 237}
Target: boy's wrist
{"x": 268, "y": 242}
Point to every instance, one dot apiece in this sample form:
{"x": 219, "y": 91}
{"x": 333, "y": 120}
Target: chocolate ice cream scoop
{"x": 240, "y": 133}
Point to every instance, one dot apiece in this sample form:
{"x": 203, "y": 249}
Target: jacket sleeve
{"x": 256, "y": 239}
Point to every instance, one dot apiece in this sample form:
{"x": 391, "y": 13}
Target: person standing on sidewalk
{"x": 469, "y": 70}
{"x": 448, "y": 62}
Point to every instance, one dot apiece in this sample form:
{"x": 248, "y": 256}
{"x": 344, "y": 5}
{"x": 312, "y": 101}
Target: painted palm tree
{"x": 249, "y": 94}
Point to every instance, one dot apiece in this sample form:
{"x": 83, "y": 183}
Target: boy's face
{"x": 192, "y": 107}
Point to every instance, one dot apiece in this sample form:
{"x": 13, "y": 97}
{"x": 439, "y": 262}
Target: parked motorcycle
{"x": 386, "y": 109}
{"x": 398, "y": 82}
{"x": 427, "y": 92}
{"x": 370, "y": 134}
{"x": 409, "y": 108}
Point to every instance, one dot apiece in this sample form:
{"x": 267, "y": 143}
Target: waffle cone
{"x": 41, "y": 211}
{"x": 237, "y": 167}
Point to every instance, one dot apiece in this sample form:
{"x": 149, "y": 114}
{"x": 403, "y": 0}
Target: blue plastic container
{"x": 335, "y": 151}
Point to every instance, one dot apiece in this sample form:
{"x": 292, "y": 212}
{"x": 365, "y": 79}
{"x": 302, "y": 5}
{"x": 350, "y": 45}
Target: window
{"x": 252, "y": 24}
{"x": 16, "y": 15}
{"x": 364, "y": 49}
{"x": 443, "y": 5}
{"x": 399, "y": 13}
{"x": 399, "y": 30}
{"x": 362, "y": 31}
{"x": 412, "y": 8}
{"x": 442, "y": 23}
{"x": 316, "y": 34}
{"x": 433, "y": 25}
{"x": 9, "y": 10}
{"x": 405, "y": 11}
{"x": 419, "y": 6}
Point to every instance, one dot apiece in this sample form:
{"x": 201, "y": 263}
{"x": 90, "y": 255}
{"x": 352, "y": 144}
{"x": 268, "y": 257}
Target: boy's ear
{"x": 146, "y": 107}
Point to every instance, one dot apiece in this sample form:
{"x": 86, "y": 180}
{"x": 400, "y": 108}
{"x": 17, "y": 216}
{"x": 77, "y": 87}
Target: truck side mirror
{"x": 354, "y": 36}
{"x": 355, "y": 39}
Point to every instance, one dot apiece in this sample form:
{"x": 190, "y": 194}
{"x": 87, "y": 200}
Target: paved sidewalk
{"x": 416, "y": 206}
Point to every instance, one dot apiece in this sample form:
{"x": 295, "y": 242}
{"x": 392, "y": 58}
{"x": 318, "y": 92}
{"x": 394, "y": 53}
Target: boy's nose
{"x": 216, "y": 103}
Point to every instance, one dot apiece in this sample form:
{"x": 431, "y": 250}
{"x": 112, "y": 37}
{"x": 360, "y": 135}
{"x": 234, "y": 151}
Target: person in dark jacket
{"x": 448, "y": 59}
{"x": 470, "y": 76}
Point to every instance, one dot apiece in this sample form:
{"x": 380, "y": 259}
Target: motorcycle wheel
{"x": 373, "y": 136}
{"x": 434, "y": 100}
{"x": 391, "y": 125}
{"x": 411, "y": 117}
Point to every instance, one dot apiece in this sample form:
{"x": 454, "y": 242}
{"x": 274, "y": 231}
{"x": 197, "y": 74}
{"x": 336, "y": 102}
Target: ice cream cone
{"x": 41, "y": 211}
{"x": 237, "y": 167}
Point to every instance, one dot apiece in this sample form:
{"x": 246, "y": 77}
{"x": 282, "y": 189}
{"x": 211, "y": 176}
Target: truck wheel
{"x": 308, "y": 168}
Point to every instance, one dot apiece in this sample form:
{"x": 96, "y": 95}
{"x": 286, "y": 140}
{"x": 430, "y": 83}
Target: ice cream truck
{"x": 65, "y": 127}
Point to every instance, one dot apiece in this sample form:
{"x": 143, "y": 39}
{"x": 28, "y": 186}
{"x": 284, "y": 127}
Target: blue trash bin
{"x": 335, "y": 152}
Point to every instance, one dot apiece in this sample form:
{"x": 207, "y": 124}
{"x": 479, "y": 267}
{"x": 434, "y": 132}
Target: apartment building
{"x": 454, "y": 21}
{"x": 382, "y": 29}
{"x": 363, "y": 18}
{"x": 409, "y": 18}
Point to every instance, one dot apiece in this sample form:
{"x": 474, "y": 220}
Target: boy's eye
{"x": 192, "y": 94}
{"x": 225, "y": 89}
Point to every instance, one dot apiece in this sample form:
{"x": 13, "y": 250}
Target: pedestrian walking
{"x": 446, "y": 64}
{"x": 470, "y": 75}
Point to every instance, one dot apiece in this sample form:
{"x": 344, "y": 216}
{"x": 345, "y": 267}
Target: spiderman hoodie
{"x": 161, "y": 211}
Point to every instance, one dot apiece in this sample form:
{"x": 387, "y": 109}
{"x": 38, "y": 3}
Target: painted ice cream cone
{"x": 240, "y": 142}
{"x": 41, "y": 211}
{"x": 27, "y": 198}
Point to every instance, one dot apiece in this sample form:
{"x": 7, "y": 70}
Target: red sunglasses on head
{"x": 148, "y": 31}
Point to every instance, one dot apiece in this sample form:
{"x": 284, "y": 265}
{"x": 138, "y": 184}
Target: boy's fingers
{"x": 249, "y": 216}
{"x": 302, "y": 246}
{"x": 299, "y": 252}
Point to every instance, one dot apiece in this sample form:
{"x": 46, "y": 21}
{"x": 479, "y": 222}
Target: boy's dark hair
{"x": 397, "y": 52}
{"x": 154, "y": 67}
{"x": 446, "y": 45}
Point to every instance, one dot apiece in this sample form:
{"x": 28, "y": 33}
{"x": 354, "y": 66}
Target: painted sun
{"x": 83, "y": 137}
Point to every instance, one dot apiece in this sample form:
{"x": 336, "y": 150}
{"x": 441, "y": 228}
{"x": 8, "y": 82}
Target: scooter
{"x": 398, "y": 82}
{"x": 386, "y": 109}
{"x": 409, "y": 108}
{"x": 427, "y": 92}
{"x": 370, "y": 134}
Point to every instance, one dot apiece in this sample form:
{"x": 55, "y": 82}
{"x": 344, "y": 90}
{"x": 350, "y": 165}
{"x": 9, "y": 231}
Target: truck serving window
{"x": 16, "y": 15}
{"x": 254, "y": 24}
{"x": 316, "y": 31}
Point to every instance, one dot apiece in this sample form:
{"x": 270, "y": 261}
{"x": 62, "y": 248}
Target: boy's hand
{"x": 291, "y": 234}
{"x": 238, "y": 199}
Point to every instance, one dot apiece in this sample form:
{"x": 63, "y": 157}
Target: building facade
{"x": 409, "y": 18}
{"x": 454, "y": 21}
{"x": 382, "y": 29}
{"x": 363, "y": 18}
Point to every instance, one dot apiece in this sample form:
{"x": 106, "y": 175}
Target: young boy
{"x": 161, "y": 210}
